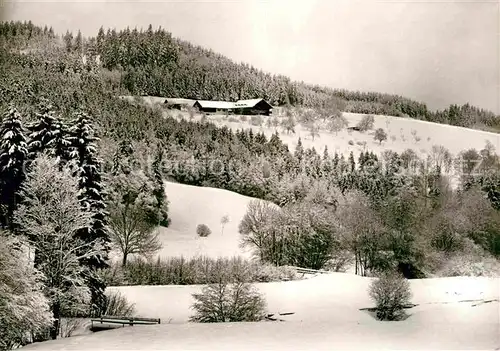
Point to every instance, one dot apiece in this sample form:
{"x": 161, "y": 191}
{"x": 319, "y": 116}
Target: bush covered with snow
{"x": 470, "y": 266}
{"x": 223, "y": 302}
{"x": 391, "y": 292}
{"x": 203, "y": 230}
{"x": 117, "y": 305}
{"x": 198, "y": 270}
{"x": 256, "y": 121}
{"x": 271, "y": 273}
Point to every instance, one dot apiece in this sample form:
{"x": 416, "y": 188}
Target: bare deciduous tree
{"x": 129, "y": 227}
{"x": 337, "y": 123}
{"x": 366, "y": 123}
{"x": 313, "y": 130}
{"x": 289, "y": 122}
{"x": 440, "y": 157}
{"x": 254, "y": 226}
{"x": 223, "y": 221}
{"x": 363, "y": 231}
{"x": 380, "y": 135}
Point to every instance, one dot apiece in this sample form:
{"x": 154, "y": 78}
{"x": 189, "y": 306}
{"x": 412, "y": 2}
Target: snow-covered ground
{"x": 190, "y": 206}
{"x": 451, "y": 313}
{"x": 455, "y": 139}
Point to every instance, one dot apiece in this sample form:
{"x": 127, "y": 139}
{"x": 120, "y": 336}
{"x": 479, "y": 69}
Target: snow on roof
{"x": 230, "y": 105}
{"x": 216, "y": 104}
{"x": 247, "y": 103}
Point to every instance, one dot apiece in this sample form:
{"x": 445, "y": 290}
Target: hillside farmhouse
{"x": 241, "y": 107}
{"x": 214, "y": 106}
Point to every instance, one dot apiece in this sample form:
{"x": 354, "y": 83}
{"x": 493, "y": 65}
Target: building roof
{"x": 247, "y": 103}
{"x": 231, "y": 105}
{"x": 216, "y": 104}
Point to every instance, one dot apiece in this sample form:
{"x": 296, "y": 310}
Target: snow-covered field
{"x": 190, "y": 206}
{"x": 399, "y": 132}
{"x": 451, "y": 313}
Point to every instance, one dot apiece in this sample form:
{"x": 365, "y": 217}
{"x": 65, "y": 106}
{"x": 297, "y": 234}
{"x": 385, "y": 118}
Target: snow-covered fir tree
{"x": 13, "y": 154}
{"x": 84, "y": 157}
{"x": 41, "y": 130}
{"x": 48, "y": 134}
{"x": 161, "y": 215}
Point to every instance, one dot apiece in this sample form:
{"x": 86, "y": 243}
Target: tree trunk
{"x": 356, "y": 262}
{"x": 54, "y": 332}
{"x": 124, "y": 261}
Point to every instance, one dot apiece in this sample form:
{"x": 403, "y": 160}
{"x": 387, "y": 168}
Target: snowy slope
{"x": 190, "y": 206}
{"x": 327, "y": 316}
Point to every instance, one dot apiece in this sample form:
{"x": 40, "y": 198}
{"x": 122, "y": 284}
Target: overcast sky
{"x": 439, "y": 52}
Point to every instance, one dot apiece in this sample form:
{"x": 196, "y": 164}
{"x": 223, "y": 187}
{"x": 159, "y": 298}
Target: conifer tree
{"x": 41, "y": 130}
{"x": 161, "y": 215}
{"x": 121, "y": 158}
{"x": 361, "y": 160}
{"x": 299, "y": 151}
{"x": 352, "y": 163}
{"x": 13, "y": 154}
{"x": 336, "y": 160}
{"x": 326, "y": 164}
{"x": 59, "y": 146}
{"x": 92, "y": 198}
{"x": 48, "y": 134}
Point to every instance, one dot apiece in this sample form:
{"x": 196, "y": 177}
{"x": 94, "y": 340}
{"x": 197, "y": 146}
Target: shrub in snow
{"x": 113, "y": 276}
{"x": 473, "y": 261}
{"x": 271, "y": 273}
{"x": 197, "y": 270}
{"x": 391, "y": 293}
{"x": 203, "y": 230}
{"x": 72, "y": 326}
{"x": 340, "y": 261}
{"x": 117, "y": 305}
{"x": 223, "y": 302}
